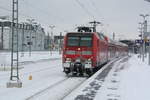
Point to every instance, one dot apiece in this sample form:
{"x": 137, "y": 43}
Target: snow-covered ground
{"x": 42, "y": 73}
{"x": 128, "y": 79}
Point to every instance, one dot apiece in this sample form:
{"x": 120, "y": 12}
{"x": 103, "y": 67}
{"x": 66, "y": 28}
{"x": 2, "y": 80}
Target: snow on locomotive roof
{"x": 80, "y": 32}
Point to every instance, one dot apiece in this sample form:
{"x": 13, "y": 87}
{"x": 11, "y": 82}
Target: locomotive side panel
{"x": 96, "y": 51}
{"x": 103, "y": 49}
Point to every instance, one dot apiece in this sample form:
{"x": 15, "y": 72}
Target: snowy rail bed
{"x": 59, "y": 90}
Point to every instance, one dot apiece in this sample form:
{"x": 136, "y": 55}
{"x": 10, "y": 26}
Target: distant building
{"x": 29, "y": 36}
{"x": 58, "y": 40}
{"x": 53, "y": 44}
{"x": 132, "y": 47}
{"x": 48, "y": 42}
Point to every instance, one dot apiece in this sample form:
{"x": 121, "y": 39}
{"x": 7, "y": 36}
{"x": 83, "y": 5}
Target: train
{"x": 85, "y": 51}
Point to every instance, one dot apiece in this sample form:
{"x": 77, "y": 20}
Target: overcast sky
{"x": 119, "y": 16}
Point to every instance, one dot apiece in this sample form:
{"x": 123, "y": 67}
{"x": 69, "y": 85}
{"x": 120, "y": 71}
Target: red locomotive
{"x": 84, "y": 51}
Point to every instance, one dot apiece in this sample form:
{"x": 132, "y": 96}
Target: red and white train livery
{"x": 85, "y": 52}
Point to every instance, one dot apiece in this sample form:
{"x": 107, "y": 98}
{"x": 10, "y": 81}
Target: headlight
{"x": 89, "y": 59}
{"x": 88, "y": 63}
{"x": 66, "y": 65}
{"x": 68, "y": 59}
{"x": 78, "y": 60}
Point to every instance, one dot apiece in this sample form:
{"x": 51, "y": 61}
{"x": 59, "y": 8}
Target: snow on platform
{"x": 127, "y": 79}
{"x": 135, "y": 84}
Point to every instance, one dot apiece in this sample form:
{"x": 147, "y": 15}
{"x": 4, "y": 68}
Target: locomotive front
{"x": 78, "y": 53}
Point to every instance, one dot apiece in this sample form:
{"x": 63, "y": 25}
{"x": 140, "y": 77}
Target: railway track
{"x": 40, "y": 92}
{"x": 62, "y": 87}
{"x": 41, "y": 60}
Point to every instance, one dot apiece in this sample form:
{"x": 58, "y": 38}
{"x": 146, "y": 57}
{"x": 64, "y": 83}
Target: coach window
{"x": 101, "y": 36}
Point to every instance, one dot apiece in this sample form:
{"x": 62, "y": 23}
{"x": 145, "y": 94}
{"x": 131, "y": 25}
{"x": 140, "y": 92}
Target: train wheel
{"x": 80, "y": 71}
{"x": 74, "y": 74}
{"x": 95, "y": 69}
{"x": 67, "y": 70}
{"x": 89, "y": 72}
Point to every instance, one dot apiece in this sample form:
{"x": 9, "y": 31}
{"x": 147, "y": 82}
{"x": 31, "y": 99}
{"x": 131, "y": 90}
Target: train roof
{"x": 110, "y": 41}
{"x": 79, "y": 33}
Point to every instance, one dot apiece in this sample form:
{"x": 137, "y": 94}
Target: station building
{"x": 31, "y": 37}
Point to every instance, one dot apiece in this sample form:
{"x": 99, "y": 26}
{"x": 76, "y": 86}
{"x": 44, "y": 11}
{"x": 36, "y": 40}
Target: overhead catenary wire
{"x": 8, "y": 10}
{"x": 26, "y": 16}
{"x": 91, "y": 12}
{"x": 84, "y": 8}
{"x": 48, "y": 14}
{"x": 3, "y": 8}
{"x": 96, "y": 10}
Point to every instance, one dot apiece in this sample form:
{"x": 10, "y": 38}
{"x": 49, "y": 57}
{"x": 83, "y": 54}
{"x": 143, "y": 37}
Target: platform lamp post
{"x": 31, "y": 22}
{"x": 48, "y": 42}
{"x": 52, "y": 38}
{"x": 22, "y": 37}
{"x": 144, "y": 31}
{"x": 141, "y": 35}
{"x": 60, "y": 43}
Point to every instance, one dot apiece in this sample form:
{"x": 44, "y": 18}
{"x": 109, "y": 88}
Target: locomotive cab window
{"x": 79, "y": 40}
{"x": 73, "y": 41}
{"x": 86, "y": 41}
